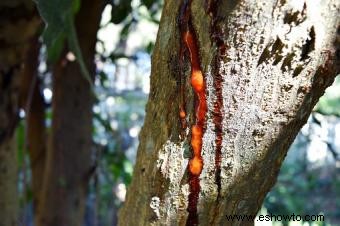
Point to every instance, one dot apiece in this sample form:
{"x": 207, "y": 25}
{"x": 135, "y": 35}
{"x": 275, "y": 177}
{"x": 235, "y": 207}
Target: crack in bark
{"x": 195, "y": 165}
{"x": 216, "y": 35}
{"x": 309, "y": 46}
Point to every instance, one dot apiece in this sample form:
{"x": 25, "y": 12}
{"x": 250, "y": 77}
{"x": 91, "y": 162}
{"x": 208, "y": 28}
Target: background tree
{"x": 19, "y": 22}
{"x": 68, "y": 161}
{"x": 263, "y": 72}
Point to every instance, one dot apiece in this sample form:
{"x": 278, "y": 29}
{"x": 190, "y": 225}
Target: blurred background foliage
{"x": 309, "y": 181}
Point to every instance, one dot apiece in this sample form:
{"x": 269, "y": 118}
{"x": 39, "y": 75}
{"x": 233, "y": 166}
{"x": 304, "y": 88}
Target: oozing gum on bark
{"x": 197, "y": 82}
{"x": 195, "y": 166}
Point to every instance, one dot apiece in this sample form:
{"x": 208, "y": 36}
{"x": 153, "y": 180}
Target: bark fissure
{"x": 195, "y": 165}
{"x": 216, "y": 35}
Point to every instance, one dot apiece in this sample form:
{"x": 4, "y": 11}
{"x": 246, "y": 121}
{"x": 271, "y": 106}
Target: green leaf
{"x": 148, "y": 3}
{"x": 54, "y": 50}
{"x": 125, "y": 31}
{"x": 75, "y": 48}
{"x": 55, "y": 14}
{"x": 103, "y": 78}
{"x": 329, "y": 103}
{"x": 21, "y": 143}
{"x": 149, "y": 48}
{"x": 120, "y": 11}
{"x": 58, "y": 16}
{"x": 76, "y": 6}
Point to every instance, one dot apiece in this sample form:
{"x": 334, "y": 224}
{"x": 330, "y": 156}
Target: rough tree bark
{"x": 69, "y": 163}
{"x": 18, "y": 24}
{"x": 264, "y": 64}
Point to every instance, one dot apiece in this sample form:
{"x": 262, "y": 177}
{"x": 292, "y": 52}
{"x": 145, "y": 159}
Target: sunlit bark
{"x": 265, "y": 64}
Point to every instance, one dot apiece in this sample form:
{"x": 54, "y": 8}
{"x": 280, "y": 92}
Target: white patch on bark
{"x": 172, "y": 165}
{"x": 154, "y": 205}
{"x": 207, "y": 177}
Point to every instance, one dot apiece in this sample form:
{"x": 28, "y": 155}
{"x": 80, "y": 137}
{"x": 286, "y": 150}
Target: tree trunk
{"x": 18, "y": 24}
{"x": 214, "y": 147}
{"x": 32, "y": 100}
{"x": 68, "y": 164}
